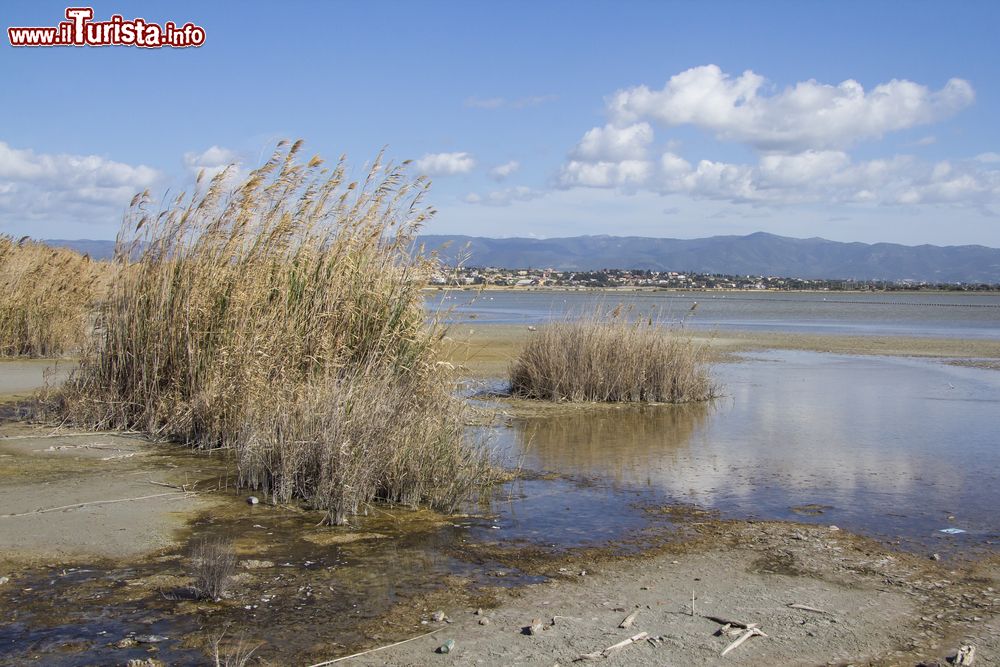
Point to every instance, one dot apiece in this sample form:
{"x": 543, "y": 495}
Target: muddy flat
{"x": 68, "y": 496}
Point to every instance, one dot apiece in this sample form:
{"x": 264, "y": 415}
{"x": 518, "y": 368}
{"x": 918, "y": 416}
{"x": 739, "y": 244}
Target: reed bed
{"x": 47, "y": 297}
{"x": 281, "y": 317}
{"x": 608, "y": 357}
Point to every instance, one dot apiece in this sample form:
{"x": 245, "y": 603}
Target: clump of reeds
{"x": 612, "y": 358}
{"x": 281, "y": 317}
{"x": 46, "y": 297}
{"x": 213, "y": 562}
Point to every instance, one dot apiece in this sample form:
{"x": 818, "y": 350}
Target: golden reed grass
{"x": 280, "y": 316}
{"x": 46, "y": 297}
{"x": 608, "y": 357}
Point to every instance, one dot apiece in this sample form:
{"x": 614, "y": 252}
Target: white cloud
{"x": 614, "y": 144}
{"x": 502, "y": 171}
{"x": 213, "y": 160}
{"x": 64, "y": 187}
{"x": 808, "y": 115}
{"x": 503, "y": 197}
{"x": 830, "y": 177}
{"x": 604, "y": 174}
{"x": 446, "y": 164}
{"x": 988, "y": 158}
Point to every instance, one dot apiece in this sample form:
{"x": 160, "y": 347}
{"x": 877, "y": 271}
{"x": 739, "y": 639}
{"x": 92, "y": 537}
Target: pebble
{"x": 536, "y": 627}
{"x": 437, "y": 616}
{"x": 253, "y": 500}
{"x": 935, "y": 557}
{"x": 4, "y": 580}
{"x": 484, "y": 621}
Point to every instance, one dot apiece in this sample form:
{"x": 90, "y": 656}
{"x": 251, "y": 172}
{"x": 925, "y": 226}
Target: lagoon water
{"x": 961, "y": 315}
{"x": 890, "y": 447}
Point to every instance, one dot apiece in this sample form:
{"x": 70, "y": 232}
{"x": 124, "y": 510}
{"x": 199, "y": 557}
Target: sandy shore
{"x": 485, "y": 351}
{"x": 866, "y": 606}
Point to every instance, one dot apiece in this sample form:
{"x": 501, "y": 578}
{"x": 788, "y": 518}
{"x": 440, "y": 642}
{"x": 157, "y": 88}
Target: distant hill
{"x": 756, "y": 254}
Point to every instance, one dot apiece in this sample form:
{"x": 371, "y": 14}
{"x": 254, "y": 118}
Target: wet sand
{"x": 69, "y": 496}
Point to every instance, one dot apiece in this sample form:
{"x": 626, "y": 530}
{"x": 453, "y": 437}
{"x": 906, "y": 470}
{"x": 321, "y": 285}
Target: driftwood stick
{"x": 805, "y": 607}
{"x": 595, "y": 655}
{"x": 728, "y": 621}
{"x": 742, "y": 638}
{"x": 373, "y": 650}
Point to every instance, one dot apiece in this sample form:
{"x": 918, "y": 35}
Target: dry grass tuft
{"x": 213, "y": 562}
{"x": 234, "y": 654}
{"x": 609, "y": 358}
{"x": 47, "y": 296}
{"x": 281, "y": 317}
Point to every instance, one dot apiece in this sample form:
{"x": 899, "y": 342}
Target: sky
{"x": 853, "y": 121}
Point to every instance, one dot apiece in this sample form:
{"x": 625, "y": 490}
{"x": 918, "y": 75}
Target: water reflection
{"x": 623, "y": 444}
{"x": 893, "y": 447}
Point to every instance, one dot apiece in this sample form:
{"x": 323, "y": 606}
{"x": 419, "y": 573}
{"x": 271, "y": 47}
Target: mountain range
{"x": 754, "y": 254}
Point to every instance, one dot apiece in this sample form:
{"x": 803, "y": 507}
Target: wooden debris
{"x": 966, "y": 656}
{"x": 728, "y": 621}
{"x": 750, "y": 632}
{"x": 597, "y": 655}
{"x": 373, "y": 650}
{"x": 805, "y": 607}
{"x": 628, "y": 620}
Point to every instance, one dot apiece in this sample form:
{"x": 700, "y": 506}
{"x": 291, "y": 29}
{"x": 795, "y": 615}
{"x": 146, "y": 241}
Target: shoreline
{"x": 484, "y": 351}
{"x": 890, "y": 607}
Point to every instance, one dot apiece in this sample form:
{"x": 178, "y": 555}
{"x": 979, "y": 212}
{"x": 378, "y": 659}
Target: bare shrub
{"x": 47, "y": 297}
{"x": 608, "y": 357}
{"x": 282, "y": 317}
{"x": 213, "y": 562}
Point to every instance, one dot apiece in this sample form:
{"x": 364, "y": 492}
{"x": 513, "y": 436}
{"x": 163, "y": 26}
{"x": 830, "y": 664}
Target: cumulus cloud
{"x": 503, "y": 197}
{"x": 807, "y": 115}
{"x": 502, "y": 171}
{"x": 801, "y": 135}
{"x": 604, "y": 174}
{"x": 830, "y": 177}
{"x": 614, "y": 144}
{"x": 66, "y": 187}
{"x": 212, "y": 160}
{"x": 446, "y": 164}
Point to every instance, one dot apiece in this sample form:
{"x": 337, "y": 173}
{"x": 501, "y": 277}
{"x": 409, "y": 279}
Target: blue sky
{"x": 852, "y": 121}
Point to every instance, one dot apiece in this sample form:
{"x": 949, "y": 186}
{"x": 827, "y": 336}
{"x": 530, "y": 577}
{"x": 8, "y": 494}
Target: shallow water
{"x": 890, "y": 447}
{"x": 900, "y": 313}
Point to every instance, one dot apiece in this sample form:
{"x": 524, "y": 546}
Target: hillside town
{"x": 644, "y": 279}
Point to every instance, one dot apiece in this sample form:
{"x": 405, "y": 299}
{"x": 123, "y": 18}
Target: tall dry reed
{"x": 46, "y": 297}
{"x": 281, "y": 317}
{"x": 608, "y": 357}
